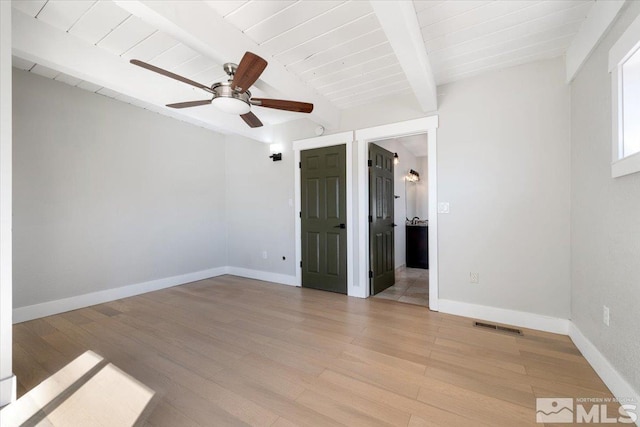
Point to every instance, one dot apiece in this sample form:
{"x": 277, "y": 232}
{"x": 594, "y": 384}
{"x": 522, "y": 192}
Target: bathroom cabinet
{"x": 417, "y": 246}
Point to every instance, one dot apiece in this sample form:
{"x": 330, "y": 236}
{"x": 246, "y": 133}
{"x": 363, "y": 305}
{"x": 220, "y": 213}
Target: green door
{"x": 324, "y": 217}
{"x": 381, "y": 226}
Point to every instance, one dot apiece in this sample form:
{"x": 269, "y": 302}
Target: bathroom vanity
{"x": 417, "y": 244}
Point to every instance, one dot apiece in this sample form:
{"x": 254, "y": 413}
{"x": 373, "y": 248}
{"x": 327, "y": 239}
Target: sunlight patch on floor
{"x": 87, "y": 391}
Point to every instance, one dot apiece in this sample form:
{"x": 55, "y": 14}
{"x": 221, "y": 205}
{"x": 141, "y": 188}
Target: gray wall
{"x": 605, "y": 219}
{"x": 259, "y": 217}
{"x": 503, "y": 165}
{"x": 107, "y": 194}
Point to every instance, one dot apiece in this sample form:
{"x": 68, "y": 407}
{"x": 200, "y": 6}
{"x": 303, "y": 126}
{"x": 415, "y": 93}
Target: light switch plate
{"x": 443, "y": 207}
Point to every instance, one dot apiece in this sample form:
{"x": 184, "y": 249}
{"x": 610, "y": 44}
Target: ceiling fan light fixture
{"x": 233, "y": 96}
{"x": 231, "y": 105}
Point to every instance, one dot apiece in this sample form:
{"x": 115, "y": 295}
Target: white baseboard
{"x": 22, "y": 314}
{"x": 266, "y": 276}
{"x": 620, "y": 388}
{"x": 509, "y": 317}
{"x": 8, "y": 387}
{"x": 30, "y": 312}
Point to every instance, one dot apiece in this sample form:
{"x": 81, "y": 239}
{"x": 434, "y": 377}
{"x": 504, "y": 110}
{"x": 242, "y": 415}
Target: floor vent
{"x": 498, "y": 328}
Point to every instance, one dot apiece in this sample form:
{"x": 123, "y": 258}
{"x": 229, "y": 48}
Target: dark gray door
{"x": 381, "y": 226}
{"x": 324, "y": 217}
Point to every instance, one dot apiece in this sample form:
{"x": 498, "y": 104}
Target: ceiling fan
{"x": 233, "y": 95}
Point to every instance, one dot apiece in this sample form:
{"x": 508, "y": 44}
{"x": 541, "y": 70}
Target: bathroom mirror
{"x": 410, "y": 193}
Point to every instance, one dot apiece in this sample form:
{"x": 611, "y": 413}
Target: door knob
{"x": 340, "y": 226}
{"x": 394, "y": 225}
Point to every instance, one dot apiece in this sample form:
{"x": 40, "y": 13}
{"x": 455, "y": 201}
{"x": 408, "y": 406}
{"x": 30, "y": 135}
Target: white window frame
{"x": 626, "y": 46}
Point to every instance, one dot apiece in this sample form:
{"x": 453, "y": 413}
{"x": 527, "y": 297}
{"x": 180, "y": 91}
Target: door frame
{"x": 343, "y": 138}
{"x": 426, "y": 125}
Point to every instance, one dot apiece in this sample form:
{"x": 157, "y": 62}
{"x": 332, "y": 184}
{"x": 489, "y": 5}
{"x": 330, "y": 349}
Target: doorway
{"x": 323, "y": 218}
{"x": 428, "y": 126}
{"x": 411, "y": 216}
{"x": 358, "y": 199}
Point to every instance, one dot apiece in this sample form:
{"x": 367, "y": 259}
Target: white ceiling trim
{"x": 198, "y": 26}
{"x": 400, "y": 23}
{"x": 36, "y": 41}
{"x": 600, "y": 17}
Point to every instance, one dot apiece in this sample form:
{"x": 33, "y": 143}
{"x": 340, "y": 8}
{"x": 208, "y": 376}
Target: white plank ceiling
{"x": 464, "y": 38}
{"x": 336, "y": 48}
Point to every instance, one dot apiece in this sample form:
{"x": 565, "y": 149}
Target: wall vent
{"x": 498, "y": 328}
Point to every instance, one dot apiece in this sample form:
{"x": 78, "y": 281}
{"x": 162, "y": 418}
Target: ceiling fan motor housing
{"x": 223, "y": 90}
{"x": 229, "y": 100}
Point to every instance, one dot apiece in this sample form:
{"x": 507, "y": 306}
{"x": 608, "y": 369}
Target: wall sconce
{"x": 396, "y": 159}
{"x": 276, "y": 152}
{"x": 413, "y": 176}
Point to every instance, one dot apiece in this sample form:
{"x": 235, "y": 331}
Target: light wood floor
{"x": 233, "y": 351}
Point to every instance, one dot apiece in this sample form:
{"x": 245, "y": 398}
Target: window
{"x": 624, "y": 65}
{"x": 631, "y": 105}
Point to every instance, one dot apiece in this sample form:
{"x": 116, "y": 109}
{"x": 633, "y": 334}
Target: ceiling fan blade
{"x": 251, "y": 120}
{"x": 190, "y": 104}
{"x": 281, "y": 104}
{"x": 169, "y": 74}
{"x": 248, "y": 71}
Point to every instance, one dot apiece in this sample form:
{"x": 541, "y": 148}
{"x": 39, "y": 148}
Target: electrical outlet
{"x": 264, "y": 254}
{"x": 605, "y": 315}
{"x": 474, "y": 277}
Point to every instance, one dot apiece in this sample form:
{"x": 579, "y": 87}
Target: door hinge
{"x": 369, "y": 163}
{"x": 300, "y": 214}
{"x": 300, "y": 264}
{"x": 370, "y": 274}
{"x": 299, "y": 165}
{"x": 370, "y": 218}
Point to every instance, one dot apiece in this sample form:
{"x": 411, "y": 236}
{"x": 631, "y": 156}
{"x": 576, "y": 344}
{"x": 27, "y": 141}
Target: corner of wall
{"x": 620, "y": 388}
{"x": 226, "y": 197}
